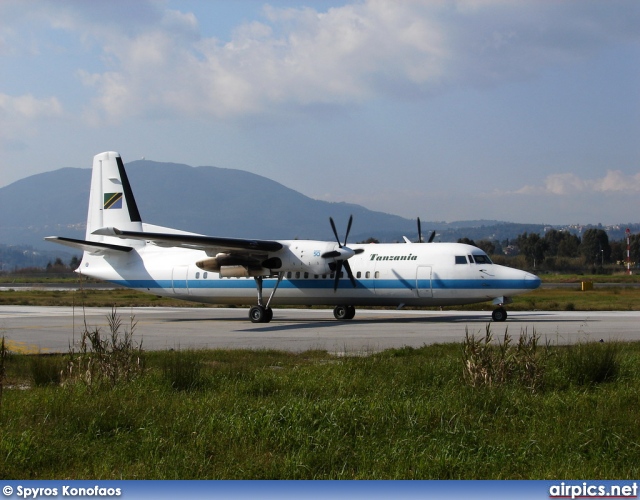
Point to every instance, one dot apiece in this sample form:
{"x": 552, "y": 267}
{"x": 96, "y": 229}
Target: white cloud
{"x": 27, "y": 106}
{"x": 162, "y": 66}
{"x": 19, "y": 113}
{"x": 157, "y": 63}
{"x": 614, "y": 181}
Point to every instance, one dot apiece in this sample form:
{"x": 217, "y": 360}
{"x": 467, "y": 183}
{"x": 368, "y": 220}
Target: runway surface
{"x": 56, "y": 329}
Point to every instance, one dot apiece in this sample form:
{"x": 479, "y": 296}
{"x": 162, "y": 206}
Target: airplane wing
{"x": 209, "y": 244}
{"x": 88, "y": 246}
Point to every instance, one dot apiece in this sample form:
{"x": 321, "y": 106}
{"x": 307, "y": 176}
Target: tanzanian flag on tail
{"x": 112, "y": 200}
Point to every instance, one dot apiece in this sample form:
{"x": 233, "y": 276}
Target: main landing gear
{"x": 499, "y": 314}
{"x": 260, "y": 314}
{"x": 263, "y": 313}
{"x": 344, "y": 313}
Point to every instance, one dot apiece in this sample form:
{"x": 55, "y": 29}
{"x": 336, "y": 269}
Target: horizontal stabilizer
{"x": 193, "y": 241}
{"x": 88, "y": 246}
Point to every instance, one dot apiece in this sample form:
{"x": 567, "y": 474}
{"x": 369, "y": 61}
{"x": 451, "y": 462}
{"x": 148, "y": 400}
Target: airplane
{"x": 120, "y": 248}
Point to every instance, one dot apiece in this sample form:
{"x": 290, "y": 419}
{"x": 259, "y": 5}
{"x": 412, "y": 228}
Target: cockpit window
{"x": 482, "y": 259}
{"x": 461, "y": 259}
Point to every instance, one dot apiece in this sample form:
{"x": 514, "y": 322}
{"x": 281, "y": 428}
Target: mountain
{"x": 220, "y": 202}
{"x": 209, "y": 200}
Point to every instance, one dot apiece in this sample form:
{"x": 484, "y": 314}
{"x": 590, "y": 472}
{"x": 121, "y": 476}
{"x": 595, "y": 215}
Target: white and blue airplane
{"x": 120, "y": 248}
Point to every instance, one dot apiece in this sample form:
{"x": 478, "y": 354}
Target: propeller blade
{"x": 330, "y": 255}
{"x": 433, "y": 235}
{"x": 342, "y": 254}
{"x": 349, "y": 273}
{"x": 337, "y": 278}
{"x": 419, "y": 231}
{"x": 335, "y": 232}
{"x": 348, "y": 229}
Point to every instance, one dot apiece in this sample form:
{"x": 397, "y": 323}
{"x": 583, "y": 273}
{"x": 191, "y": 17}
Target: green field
{"x": 513, "y": 411}
{"x": 553, "y": 299}
{"x": 522, "y": 411}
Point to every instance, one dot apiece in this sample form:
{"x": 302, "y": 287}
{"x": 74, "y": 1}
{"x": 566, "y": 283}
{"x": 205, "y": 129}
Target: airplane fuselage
{"x": 120, "y": 248}
{"x": 386, "y": 275}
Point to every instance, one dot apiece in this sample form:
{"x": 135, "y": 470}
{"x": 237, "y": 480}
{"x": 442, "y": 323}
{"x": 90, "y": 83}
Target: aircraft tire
{"x": 258, "y": 314}
{"x": 351, "y": 312}
{"x": 499, "y": 314}
{"x": 343, "y": 313}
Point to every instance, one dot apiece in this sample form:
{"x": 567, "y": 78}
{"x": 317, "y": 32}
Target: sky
{"x": 522, "y": 111}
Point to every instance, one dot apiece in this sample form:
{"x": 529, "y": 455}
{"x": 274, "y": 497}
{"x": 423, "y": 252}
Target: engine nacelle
{"x": 243, "y": 272}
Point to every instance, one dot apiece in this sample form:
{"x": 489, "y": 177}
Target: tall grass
{"x": 403, "y": 413}
{"x": 46, "y": 370}
{"x": 110, "y": 358}
{"x": 3, "y": 355}
{"x": 182, "y": 370}
{"x": 590, "y": 363}
{"x": 486, "y": 363}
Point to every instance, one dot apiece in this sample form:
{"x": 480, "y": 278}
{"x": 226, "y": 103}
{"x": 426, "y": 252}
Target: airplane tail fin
{"x": 111, "y": 201}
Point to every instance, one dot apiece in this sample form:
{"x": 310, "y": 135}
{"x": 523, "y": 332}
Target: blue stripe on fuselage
{"x": 327, "y": 284}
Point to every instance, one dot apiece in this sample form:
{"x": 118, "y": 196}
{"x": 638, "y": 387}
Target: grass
{"x": 569, "y": 299}
{"x": 547, "y": 299}
{"x": 89, "y": 298}
{"x": 399, "y": 414}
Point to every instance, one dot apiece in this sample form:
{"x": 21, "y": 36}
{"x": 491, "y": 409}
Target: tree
{"x": 595, "y": 247}
{"x": 74, "y": 262}
{"x": 487, "y": 246}
{"x": 532, "y": 247}
{"x": 467, "y": 241}
{"x": 561, "y": 244}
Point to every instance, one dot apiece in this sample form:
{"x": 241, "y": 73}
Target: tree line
{"x": 561, "y": 250}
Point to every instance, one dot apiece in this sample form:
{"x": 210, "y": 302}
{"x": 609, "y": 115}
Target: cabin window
{"x": 358, "y": 275}
{"x": 324, "y": 276}
{"x": 367, "y": 274}
{"x": 205, "y": 275}
{"x": 482, "y": 259}
{"x": 377, "y": 275}
{"x": 461, "y": 259}
{"x": 289, "y": 275}
{"x": 306, "y": 275}
{"x": 297, "y": 274}
{"x": 197, "y": 275}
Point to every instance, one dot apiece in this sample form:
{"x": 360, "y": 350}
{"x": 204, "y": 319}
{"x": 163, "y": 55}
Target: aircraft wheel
{"x": 343, "y": 313}
{"x": 351, "y": 312}
{"x": 258, "y": 314}
{"x": 268, "y": 315}
{"x": 499, "y": 314}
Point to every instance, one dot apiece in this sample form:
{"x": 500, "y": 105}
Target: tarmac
{"x": 32, "y": 329}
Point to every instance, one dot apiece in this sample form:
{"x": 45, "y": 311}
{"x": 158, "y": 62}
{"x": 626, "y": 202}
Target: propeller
{"x": 431, "y": 237}
{"x": 342, "y": 254}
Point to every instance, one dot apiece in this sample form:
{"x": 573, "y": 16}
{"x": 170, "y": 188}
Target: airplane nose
{"x": 531, "y": 281}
